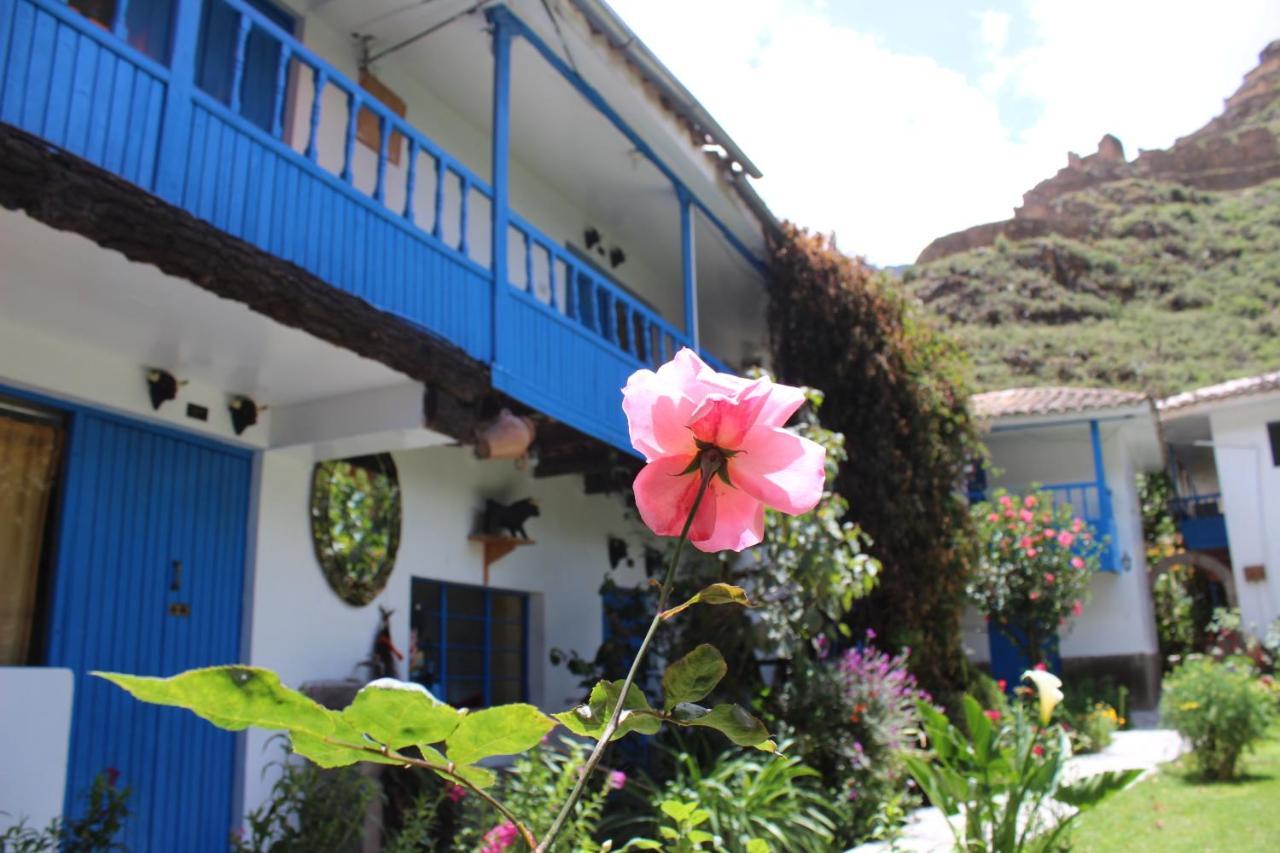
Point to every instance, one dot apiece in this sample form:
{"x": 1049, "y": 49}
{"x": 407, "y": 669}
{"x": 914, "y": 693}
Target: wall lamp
{"x": 162, "y": 386}
{"x": 244, "y": 413}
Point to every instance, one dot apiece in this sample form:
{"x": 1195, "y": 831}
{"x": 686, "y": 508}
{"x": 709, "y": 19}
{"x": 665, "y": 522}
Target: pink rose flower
{"x": 1076, "y": 608}
{"x": 1031, "y": 552}
{"x": 617, "y": 780}
{"x": 1034, "y": 595}
{"x": 993, "y": 517}
{"x": 1005, "y": 500}
{"x": 992, "y": 714}
{"x": 1065, "y": 538}
{"x": 1027, "y": 516}
{"x": 1029, "y": 501}
{"x": 1077, "y": 562}
{"x": 1049, "y": 533}
{"x": 1048, "y": 577}
{"x": 455, "y": 793}
{"x": 1077, "y": 525}
{"x": 1026, "y": 543}
{"x": 686, "y": 410}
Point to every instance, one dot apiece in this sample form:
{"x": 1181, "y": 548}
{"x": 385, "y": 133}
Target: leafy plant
{"x": 1003, "y": 777}
{"x": 1033, "y": 569}
{"x": 308, "y": 809}
{"x": 106, "y": 810}
{"x": 773, "y": 798}
{"x": 1220, "y": 707}
{"x": 537, "y": 783}
{"x": 854, "y": 717}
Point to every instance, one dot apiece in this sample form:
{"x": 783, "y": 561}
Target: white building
{"x": 1086, "y": 446}
{"x": 1224, "y": 442}
{"x": 512, "y": 206}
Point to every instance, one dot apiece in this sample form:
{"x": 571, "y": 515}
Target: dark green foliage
{"x": 1221, "y": 707}
{"x": 1173, "y": 288}
{"x": 896, "y": 389}
{"x": 309, "y": 809}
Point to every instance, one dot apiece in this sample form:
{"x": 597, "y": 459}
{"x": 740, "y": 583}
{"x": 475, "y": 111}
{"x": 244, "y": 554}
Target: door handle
{"x": 176, "y": 583}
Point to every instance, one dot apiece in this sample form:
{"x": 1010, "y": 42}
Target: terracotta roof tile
{"x": 1051, "y": 401}
{"x": 1223, "y": 391}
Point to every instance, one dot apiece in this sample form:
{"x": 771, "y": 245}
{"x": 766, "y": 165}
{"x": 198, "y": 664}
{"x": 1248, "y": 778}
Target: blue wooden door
{"x": 150, "y": 576}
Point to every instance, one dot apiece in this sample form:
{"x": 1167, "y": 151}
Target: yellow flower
{"x": 1189, "y": 706}
{"x": 1048, "y": 689}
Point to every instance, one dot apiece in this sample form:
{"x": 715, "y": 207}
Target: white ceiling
{"x": 67, "y": 286}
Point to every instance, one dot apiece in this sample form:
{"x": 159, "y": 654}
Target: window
{"x": 1273, "y": 433}
{"x": 469, "y": 643}
{"x": 31, "y": 442}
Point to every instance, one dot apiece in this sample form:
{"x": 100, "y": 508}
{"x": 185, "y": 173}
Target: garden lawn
{"x": 1176, "y": 811}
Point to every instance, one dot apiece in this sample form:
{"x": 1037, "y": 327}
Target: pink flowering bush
{"x": 1034, "y": 564}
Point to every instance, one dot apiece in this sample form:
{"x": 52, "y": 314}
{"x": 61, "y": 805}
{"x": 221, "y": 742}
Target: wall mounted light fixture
{"x": 244, "y": 413}
{"x": 161, "y": 386}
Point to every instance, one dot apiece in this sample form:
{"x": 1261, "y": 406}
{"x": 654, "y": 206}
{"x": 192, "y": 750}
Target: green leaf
{"x": 693, "y": 676}
{"x": 733, "y": 721}
{"x": 232, "y": 697}
{"x": 339, "y": 750}
{"x": 641, "y": 844}
{"x": 981, "y": 734}
{"x": 717, "y": 593}
{"x": 1090, "y": 791}
{"x": 481, "y": 777}
{"x": 677, "y": 810}
{"x": 504, "y": 730}
{"x": 590, "y": 719}
{"x": 758, "y": 845}
{"x": 701, "y": 836}
{"x": 400, "y": 716}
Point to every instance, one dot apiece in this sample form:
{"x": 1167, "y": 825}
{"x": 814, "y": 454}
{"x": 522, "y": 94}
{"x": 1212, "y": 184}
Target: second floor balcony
{"x": 220, "y": 108}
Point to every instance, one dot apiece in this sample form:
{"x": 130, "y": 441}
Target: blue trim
{"x": 502, "y": 14}
{"x": 499, "y": 207}
{"x": 1108, "y": 559}
{"x": 175, "y": 132}
{"x": 688, "y": 267}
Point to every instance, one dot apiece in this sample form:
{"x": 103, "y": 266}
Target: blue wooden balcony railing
{"x": 420, "y": 236}
{"x": 1201, "y": 522}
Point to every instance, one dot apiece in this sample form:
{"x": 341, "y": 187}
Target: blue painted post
{"x": 120, "y": 26}
{"x": 688, "y": 266}
{"x": 1104, "y": 495}
{"x": 349, "y": 143}
{"x": 500, "y": 174}
{"x": 175, "y": 131}
{"x": 277, "y": 104}
{"x": 320, "y": 78}
{"x": 411, "y": 180}
{"x": 237, "y": 66}
{"x": 384, "y": 134}
{"x": 437, "y": 225}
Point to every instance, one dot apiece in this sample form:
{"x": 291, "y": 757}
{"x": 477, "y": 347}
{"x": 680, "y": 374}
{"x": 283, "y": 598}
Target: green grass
{"x": 1175, "y": 811}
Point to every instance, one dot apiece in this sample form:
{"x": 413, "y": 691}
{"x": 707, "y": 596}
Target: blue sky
{"x": 891, "y": 122}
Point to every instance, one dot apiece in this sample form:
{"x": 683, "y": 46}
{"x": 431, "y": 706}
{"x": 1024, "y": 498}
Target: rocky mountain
{"x": 1159, "y": 273}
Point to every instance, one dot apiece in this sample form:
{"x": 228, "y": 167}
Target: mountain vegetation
{"x": 1158, "y": 274}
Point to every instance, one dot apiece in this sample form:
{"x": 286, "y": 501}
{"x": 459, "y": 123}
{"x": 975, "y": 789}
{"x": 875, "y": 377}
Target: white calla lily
{"x": 1048, "y": 689}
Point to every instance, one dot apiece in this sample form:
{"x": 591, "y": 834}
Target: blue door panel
{"x": 150, "y": 520}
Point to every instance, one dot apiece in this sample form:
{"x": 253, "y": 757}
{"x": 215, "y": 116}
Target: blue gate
{"x": 150, "y": 576}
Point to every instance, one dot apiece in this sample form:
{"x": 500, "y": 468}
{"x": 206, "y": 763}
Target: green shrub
{"x": 754, "y": 796}
{"x": 1220, "y": 707}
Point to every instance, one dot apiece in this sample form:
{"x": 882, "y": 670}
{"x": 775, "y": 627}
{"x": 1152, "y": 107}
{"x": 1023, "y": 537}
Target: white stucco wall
{"x": 1117, "y": 619}
{"x": 301, "y": 629}
{"x": 1251, "y": 500}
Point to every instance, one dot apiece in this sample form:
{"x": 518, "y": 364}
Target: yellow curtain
{"x": 28, "y": 464}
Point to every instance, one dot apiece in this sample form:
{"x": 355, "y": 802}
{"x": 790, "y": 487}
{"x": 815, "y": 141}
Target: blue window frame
{"x": 470, "y": 643}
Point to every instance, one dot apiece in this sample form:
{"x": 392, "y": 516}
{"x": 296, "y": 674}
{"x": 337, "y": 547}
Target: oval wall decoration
{"x": 355, "y": 524}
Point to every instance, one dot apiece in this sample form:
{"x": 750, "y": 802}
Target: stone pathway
{"x": 1144, "y": 749}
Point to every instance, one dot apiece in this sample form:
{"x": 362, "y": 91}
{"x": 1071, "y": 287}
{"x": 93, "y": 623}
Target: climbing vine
{"x": 896, "y": 388}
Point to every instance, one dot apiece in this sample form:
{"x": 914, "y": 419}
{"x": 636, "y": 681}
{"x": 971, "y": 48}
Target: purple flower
{"x": 617, "y": 780}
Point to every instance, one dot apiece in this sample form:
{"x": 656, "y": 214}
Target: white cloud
{"x": 891, "y": 150}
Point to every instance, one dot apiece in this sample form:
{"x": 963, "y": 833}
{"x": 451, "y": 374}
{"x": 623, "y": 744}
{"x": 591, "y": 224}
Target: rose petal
{"x": 739, "y": 520}
{"x": 658, "y": 409}
{"x": 664, "y": 496}
{"x": 781, "y": 469}
{"x": 724, "y": 420}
